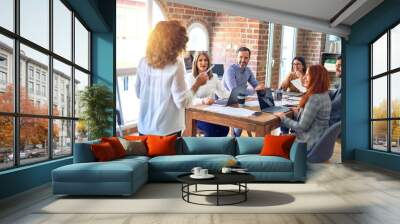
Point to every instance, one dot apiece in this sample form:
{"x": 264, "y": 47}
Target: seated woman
{"x": 315, "y": 108}
{"x": 205, "y": 94}
{"x": 297, "y": 72}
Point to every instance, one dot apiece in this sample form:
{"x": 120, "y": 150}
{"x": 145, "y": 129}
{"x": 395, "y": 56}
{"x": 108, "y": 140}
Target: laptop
{"x": 267, "y": 104}
{"x": 232, "y": 97}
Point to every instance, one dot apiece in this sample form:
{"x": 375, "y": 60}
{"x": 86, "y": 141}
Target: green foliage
{"x": 380, "y": 127}
{"x": 97, "y": 110}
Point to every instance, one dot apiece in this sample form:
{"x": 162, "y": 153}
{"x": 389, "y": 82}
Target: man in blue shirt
{"x": 239, "y": 75}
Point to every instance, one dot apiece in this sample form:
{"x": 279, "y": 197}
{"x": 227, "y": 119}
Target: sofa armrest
{"x": 299, "y": 159}
{"x": 83, "y": 153}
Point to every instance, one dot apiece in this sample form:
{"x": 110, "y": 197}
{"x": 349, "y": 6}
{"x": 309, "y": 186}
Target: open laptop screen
{"x": 265, "y": 98}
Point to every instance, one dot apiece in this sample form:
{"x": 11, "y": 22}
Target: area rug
{"x": 167, "y": 198}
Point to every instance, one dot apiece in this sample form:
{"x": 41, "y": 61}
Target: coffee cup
{"x": 278, "y": 94}
{"x": 226, "y": 170}
{"x": 203, "y": 172}
{"x": 241, "y": 100}
{"x": 196, "y": 171}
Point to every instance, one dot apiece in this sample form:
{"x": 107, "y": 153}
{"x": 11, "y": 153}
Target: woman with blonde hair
{"x": 160, "y": 82}
{"x": 206, "y": 93}
{"x": 315, "y": 107}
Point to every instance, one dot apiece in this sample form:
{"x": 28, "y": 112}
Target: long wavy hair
{"x": 165, "y": 43}
{"x": 319, "y": 82}
{"x": 195, "y": 71}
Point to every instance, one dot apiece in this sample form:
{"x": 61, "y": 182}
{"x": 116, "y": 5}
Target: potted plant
{"x": 96, "y": 102}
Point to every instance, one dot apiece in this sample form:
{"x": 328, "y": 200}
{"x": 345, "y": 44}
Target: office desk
{"x": 261, "y": 125}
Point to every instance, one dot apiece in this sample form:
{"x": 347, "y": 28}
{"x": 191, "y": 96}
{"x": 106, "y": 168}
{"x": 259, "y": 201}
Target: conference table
{"x": 261, "y": 124}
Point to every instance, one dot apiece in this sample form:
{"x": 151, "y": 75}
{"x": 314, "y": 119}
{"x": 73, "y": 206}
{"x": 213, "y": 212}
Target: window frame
{"x": 283, "y": 73}
{"x": 203, "y": 28}
{"x": 388, "y": 74}
{"x": 16, "y": 114}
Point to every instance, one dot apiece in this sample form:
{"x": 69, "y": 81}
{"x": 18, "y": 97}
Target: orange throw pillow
{"x": 142, "y": 138}
{"x": 116, "y": 145}
{"x": 161, "y": 145}
{"x": 277, "y": 145}
{"x": 103, "y": 152}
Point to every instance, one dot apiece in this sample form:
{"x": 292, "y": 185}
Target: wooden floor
{"x": 378, "y": 189}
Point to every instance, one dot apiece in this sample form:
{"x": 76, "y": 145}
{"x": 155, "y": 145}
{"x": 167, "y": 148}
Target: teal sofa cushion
{"x": 118, "y": 177}
{"x": 185, "y": 163}
{"x": 257, "y": 163}
{"x": 207, "y": 145}
{"x": 114, "y": 171}
{"x": 83, "y": 153}
{"x": 249, "y": 145}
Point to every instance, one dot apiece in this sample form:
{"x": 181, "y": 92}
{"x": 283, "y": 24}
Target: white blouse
{"x": 163, "y": 95}
{"x": 209, "y": 90}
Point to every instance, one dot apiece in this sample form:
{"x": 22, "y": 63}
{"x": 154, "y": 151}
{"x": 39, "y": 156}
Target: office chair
{"x": 323, "y": 149}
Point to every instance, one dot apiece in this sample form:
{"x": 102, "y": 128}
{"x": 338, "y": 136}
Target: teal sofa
{"x": 125, "y": 176}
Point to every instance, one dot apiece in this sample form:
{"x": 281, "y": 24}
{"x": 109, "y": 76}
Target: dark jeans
{"x": 178, "y": 134}
{"x": 285, "y": 130}
{"x": 212, "y": 130}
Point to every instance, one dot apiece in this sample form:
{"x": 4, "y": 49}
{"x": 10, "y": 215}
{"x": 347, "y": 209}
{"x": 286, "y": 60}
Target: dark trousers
{"x": 178, "y": 134}
{"x": 212, "y": 130}
{"x": 284, "y": 130}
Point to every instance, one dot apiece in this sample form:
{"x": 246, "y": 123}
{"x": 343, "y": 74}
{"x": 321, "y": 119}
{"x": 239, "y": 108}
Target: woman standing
{"x": 205, "y": 94}
{"x": 315, "y": 108}
{"x": 160, "y": 83}
{"x": 297, "y": 72}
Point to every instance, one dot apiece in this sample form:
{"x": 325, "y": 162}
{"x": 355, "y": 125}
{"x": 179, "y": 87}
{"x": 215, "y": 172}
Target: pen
{"x": 212, "y": 66}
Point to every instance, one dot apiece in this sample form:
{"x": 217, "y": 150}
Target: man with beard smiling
{"x": 239, "y": 75}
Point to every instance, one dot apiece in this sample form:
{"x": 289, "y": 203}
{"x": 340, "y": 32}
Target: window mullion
{"x": 389, "y": 106}
{"x": 73, "y": 81}
{"x": 50, "y": 81}
{"x": 16, "y": 83}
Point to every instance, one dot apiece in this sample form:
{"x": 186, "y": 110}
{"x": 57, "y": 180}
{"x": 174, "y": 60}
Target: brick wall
{"x": 232, "y": 32}
{"x": 227, "y": 33}
{"x": 310, "y": 45}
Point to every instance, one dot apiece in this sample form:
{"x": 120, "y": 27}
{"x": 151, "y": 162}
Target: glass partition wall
{"x": 44, "y": 63}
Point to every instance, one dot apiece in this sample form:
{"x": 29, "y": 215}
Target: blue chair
{"x": 323, "y": 149}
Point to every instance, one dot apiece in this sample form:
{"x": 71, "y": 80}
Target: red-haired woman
{"x": 160, "y": 82}
{"x": 315, "y": 108}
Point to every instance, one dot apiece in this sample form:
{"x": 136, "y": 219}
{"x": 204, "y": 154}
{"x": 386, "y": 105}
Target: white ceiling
{"x": 316, "y": 15}
{"x": 321, "y": 9}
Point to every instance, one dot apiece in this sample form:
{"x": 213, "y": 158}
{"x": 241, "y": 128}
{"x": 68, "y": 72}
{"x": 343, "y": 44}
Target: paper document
{"x": 239, "y": 112}
{"x": 253, "y": 103}
{"x": 298, "y": 85}
{"x": 289, "y": 103}
{"x": 294, "y": 98}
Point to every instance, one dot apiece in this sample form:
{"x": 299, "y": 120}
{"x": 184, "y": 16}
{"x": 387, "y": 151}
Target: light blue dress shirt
{"x": 236, "y": 77}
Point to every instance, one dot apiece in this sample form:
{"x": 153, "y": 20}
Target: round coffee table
{"x": 238, "y": 179}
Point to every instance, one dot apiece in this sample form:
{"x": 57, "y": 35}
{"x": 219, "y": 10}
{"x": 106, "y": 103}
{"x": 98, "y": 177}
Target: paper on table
{"x": 290, "y": 103}
{"x": 239, "y": 112}
{"x": 253, "y": 103}
{"x": 294, "y": 98}
{"x": 298, "y": 85}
